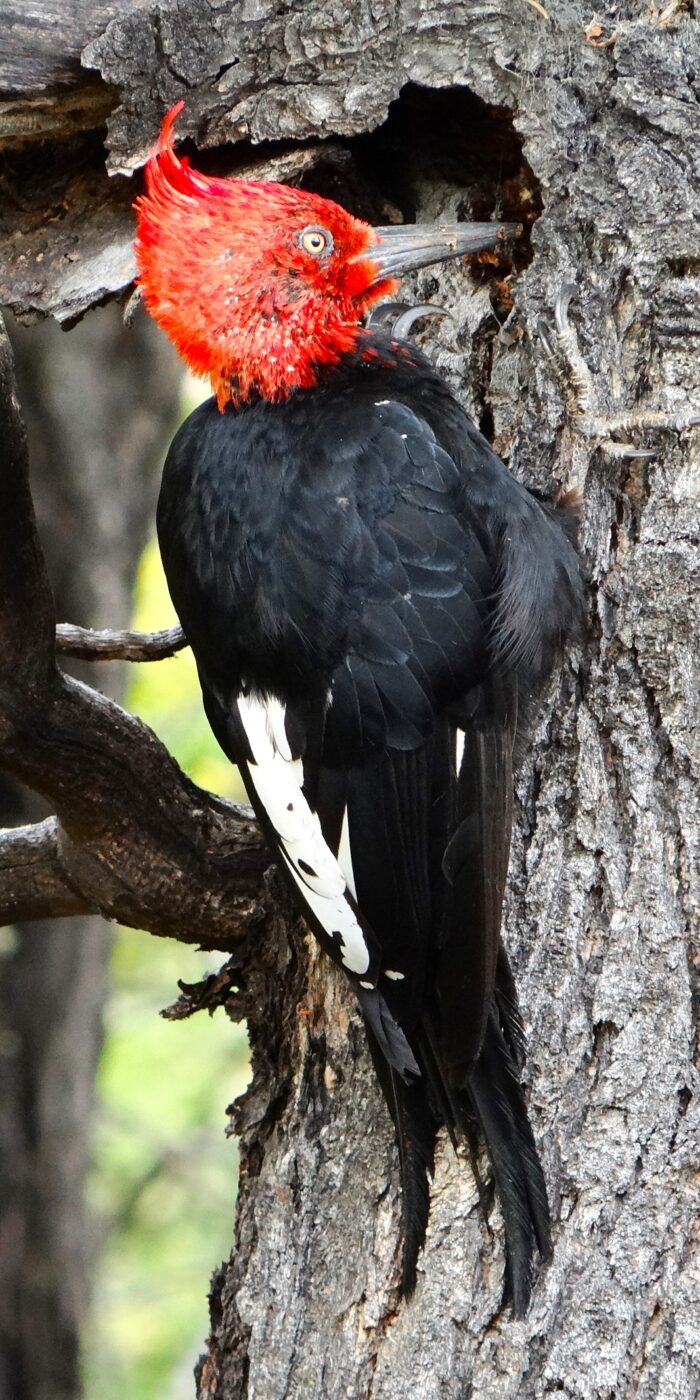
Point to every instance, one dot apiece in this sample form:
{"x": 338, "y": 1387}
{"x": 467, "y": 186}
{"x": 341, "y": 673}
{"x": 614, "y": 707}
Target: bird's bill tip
{"x": 402, "y": 248}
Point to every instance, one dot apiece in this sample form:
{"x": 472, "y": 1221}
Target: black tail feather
{"x": 416, "y": 1131}
{"x": 454, "y": 1109}
{"x": 492, "y": 1107}
{"x": 499, "y": 1106}
{"x": 509, "y": 1009}
{"x": 387, "y": 1033}
{"x": 416, "y": 1125}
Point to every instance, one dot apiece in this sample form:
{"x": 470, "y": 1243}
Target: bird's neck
{"x": 273, "y": 361}
{"x": 270, "y": 355}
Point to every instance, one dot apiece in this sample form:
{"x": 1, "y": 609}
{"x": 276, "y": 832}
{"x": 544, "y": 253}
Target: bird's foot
{"x": 596, "y": 430}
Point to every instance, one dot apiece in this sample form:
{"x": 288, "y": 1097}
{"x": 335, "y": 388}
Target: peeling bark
{"x": 589, "y": 126}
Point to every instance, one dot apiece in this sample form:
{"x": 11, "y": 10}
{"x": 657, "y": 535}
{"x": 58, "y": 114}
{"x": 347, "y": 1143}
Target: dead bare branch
{"x": 33, "y": 882}
{"x": 85, "y": 644}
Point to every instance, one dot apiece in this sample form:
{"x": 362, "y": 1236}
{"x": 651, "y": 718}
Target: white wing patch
{"x": 345, "y": 856}
{"x": 459, "y": 737}
{"x": 317, "y": 873}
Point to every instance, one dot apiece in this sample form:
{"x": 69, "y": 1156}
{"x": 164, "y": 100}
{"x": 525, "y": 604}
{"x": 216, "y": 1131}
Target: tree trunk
{"x": 582, "y": 127}
{"x": 603, "y": 876}
{"x": 99, "y": 405}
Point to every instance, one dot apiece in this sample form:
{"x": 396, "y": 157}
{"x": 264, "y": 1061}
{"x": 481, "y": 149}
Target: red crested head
{"x": 257, "y": 284}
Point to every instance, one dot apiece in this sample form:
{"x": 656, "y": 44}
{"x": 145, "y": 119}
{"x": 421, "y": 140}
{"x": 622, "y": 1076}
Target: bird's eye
{"x": 315, "y": 241}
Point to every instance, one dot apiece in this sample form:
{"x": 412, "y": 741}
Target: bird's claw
{"x": 399, "y": 317}
{"x": 380, "y": 315}
{"x": 545, "y": 336}
{"x": 405, "y": 322}
{"x": 561, "y": 307}
{"x": 627, "y": 451}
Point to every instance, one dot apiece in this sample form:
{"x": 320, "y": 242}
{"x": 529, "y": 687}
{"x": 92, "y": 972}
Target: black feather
{"x": 416, "y": 1123}
{"x": 499, "y": 1107}
{"x": 388, "y": 1035}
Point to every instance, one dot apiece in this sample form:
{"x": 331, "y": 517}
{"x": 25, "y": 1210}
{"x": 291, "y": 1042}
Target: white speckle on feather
{"x": 395, "y": 976}
{"x": 381, "y": 403}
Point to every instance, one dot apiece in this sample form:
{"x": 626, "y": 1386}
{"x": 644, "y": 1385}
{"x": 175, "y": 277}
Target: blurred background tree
{"x": 124, "y": 1195}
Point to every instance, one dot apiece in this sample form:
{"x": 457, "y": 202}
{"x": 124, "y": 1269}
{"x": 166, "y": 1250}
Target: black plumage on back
{"x": 367, "y": 588}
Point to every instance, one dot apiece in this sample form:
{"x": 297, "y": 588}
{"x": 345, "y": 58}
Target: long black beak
{"x": 405, "y": 247}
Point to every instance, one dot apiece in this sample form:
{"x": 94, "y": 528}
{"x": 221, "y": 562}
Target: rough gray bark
{"x": 602, "y": 914}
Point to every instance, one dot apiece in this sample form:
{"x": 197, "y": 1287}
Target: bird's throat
{"x": 274, "y": 355}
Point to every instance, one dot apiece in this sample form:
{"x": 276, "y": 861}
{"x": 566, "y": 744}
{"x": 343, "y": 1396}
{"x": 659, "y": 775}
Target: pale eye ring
{"x": 316, "y": 241}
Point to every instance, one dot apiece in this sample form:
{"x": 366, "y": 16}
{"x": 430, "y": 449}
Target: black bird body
{"x": 366, "y": 587}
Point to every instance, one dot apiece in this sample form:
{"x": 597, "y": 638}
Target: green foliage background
{"x": 164, "y": 1181}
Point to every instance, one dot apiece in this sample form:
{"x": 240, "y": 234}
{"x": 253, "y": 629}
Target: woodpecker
{"x": 372, "y": 600}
